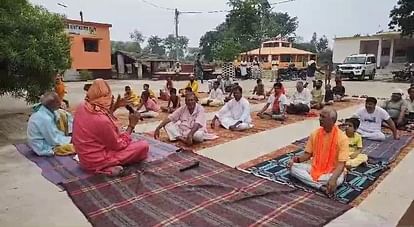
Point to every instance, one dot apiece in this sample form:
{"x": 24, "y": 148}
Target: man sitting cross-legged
{"x": 151, "y": 107}
{"x": 130, "y": 97}
{"x": 258, "y": 91}
{"x": 300, "y": 100}
{"x": 235, "y": 115}
{"x": 371, "y": 117}
{"x": 278, "y": 103}
{"x": 174, "y": 102}
{"x": 215, "y": 98}
{"x": 356, "y": 157}
{"x": 187, "y": 123}
{"x": 328, "y": 149}
{"x": 396, "y": 107}
{"x": 318, "y": 96}
{"x": 45, "y": 133}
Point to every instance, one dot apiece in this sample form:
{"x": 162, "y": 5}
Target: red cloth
{"x": 276, "y": 104}
{"x": 99, "y": 143}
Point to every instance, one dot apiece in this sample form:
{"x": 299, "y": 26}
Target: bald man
{"x": 328, "y": 150}
{"x": 187, "y": 124}
{"x": 47, "y": 132}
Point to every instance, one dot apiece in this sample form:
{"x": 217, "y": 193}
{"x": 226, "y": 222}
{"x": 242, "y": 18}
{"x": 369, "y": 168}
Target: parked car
{"x": 358, "y": 66}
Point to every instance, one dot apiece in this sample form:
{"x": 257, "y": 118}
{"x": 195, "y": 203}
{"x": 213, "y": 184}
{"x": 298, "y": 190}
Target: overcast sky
{"x": 326, "y": 17}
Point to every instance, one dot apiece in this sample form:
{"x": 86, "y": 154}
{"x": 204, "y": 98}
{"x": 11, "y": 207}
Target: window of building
{"x": 385, "y": 52}
{"x": 285, "y": 58}
{"x": 91, "y": 45}
{"x": 400, "y": 53}
{"x": 275, "y": 57}
{"x": 285, "y": 45}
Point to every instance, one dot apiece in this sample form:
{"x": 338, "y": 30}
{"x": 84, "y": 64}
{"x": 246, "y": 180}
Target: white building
{"x": 389, "y": 47}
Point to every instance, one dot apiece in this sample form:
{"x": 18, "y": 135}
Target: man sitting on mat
{"x": 396, "y": 107}
{"x": 174, "y": 102}
{"x": 187, "y": 124}
{"x": 356, "y": 157}
{"x": 328, "y": 147}
{"x": 258, "y": 91}
{"x": 101, "y": 146}
{"x": 151, "y": 107}
{"x": 48, "y": 131}
{"x": 235, "y": 115}
{"x": 215, "y": 98}
{"x": 278, "y": 103}
{"x": 300, "y": 100}
{"x": 371, "y": 117}
{"x": 192, "y": 84}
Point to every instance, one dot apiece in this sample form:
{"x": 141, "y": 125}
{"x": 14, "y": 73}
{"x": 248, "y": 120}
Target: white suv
{"x": 359, "y": 66}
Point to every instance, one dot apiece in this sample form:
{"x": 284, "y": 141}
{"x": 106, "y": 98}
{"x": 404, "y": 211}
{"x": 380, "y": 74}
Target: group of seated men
{"x": 103, "y": 148}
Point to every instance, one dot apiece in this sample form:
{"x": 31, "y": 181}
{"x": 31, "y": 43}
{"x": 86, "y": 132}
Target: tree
{"x": 138, "y": 38}
{"x": 174, "y": 45}
{"x": 248, "y": 23}
{"x": 33, "y": 48}
{"x": 156, "y": 46}
{"x": 191, "y": 55}
{"x": 402, "y": 17}
{"x": 125, "y": 46}
{"x": 314, "y": 40}
{"x": 322, "y": 44}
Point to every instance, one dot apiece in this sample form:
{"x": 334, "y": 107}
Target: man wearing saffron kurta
{"x": 101, "y": 147}
{"x": 328, "y": 147}
{"x": 235, "y": 115}
{"x": 187, "y": 124}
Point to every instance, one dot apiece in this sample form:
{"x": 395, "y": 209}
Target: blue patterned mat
{"x": 357, "y": 180}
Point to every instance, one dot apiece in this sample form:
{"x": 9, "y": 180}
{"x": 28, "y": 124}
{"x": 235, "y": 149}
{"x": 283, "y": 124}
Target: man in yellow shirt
{"x": 130, "y": 97}
{"x": 328, "y": 147}
{"x": 193, "y": 84}
{"x": 356, "y": 157}
{"x": 152, "y": 94}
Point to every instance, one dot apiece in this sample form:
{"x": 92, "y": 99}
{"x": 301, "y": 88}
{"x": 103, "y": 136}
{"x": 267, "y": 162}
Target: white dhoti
{"x": 377, "y": 136}
{"x": 173, "y": 132}
{"x": 227, "y": 122}
{"x": 211, "y": 102}
{"x": 302, "y": 172}
{"x": 149, "y": 114}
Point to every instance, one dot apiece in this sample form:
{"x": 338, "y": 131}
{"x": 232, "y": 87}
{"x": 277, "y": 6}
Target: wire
{"x": 157, "y": 6}
{"x": 208, "y": 12}
{"x": 281, "y": 2}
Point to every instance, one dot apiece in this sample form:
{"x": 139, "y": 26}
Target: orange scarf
{"x": 99, "y": 99}
{"x": 60, "y": 89}
{"x": 323, "y": 160}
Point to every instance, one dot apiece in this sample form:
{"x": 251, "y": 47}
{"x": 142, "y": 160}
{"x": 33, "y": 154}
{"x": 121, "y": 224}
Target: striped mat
{"x": 212, "y": 194}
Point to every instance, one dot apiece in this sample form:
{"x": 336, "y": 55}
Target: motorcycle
{"x": 406, "y": 75}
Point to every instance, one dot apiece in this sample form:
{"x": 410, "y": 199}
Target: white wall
{"x": 342, "y": 48}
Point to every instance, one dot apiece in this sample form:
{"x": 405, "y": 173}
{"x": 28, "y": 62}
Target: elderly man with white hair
{"x": 328, "y": 150}
{"x": 396, "y": 107}
{"x": 49, "y": 131}
{"x": 221, "y": 85}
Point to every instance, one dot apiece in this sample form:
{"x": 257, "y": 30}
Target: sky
{"x": 333, "y": 18}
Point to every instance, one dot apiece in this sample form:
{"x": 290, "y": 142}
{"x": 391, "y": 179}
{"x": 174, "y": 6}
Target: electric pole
{"x": 177, "y": 13}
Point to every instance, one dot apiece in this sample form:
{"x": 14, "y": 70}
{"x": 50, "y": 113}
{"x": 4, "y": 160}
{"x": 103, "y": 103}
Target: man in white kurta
{"x": 216, "y": 97}
{"x": 235, "y": 115}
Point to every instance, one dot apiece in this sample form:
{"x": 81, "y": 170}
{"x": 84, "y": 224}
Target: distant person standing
{"x": 256, "y": 74}
{"x": 328, "y": 73}
{"x": 198, "y": 69}
{"x": 275, "y": 69}
{"x": 310, "y": 75}
{"x": 243, "y": 70}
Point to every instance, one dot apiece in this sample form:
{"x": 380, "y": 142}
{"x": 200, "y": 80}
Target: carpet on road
{"x": 62, "y": 169}
{"x": 211, "y": 194}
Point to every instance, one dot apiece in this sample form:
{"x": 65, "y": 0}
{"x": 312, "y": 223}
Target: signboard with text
{"x": 76, "y": 29}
